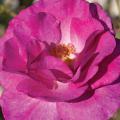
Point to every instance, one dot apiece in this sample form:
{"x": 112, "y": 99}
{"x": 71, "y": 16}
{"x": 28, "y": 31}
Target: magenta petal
{"x": 80, "y": 35}
{"x": 59, "y": 92}
{"x": 53, "y": 63}
{"x": 41, "y": 26}
{"x": 73, "y": 9}
{"x": 88, "y": 53}
{"x": 49, "y": 69}
{"x": 17, "y": 106}
{"x": 34, "y": 49}
{"x": 101, "y": 106}
{"x": 56, "y": 66}
{"x": 65, "y": 8}
{"x": 15, "y": 58}
{"x": 104, "y": 48}
{"x": 111, "y": 75}
{"x": 2, "y": 42}
{"x": 44, "y": 76}
{"x": 98, "y": 13}
{"x": 9, "y": 81}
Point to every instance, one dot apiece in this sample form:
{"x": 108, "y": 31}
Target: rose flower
{"x": 59, "y": 60}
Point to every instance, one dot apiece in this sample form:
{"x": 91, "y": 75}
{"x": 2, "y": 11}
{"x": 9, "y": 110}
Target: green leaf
{"x": 118, "y": 35}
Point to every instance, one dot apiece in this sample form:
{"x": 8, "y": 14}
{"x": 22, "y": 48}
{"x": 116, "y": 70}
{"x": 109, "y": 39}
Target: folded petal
{"x": 17, "y": 106}
{"x": 51, "y": 62}
{"x": 101, "y": 106}
{"x": 34, "y": 49}
{"x": 105, "y": 47}
{"x": 91, "y": 59}
{"x": 80, "y": 35}
{"x": 111, "y": 72}
{"x": 14, "y": 58}
{"x": 69, "y": 9}
{"x": 65, "y": 7}
{"x": 2, "y": 42}
{"x": 10, "y": 81}
{"x": 40, "y": 26}
{"x": 51, "y": 65}
{"x": 59, "y": 92}
{"x": 98, "y": 13}
{"x": 111, "y": 76}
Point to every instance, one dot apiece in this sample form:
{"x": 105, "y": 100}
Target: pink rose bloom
{"x": 59, "y": 60}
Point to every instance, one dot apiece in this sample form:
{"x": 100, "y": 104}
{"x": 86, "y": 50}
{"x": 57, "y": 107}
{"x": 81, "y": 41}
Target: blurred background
{"x": 10, "y": 8}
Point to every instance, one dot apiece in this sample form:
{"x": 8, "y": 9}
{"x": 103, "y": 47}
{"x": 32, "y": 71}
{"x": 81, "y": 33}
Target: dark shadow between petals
{"x": 94, "y": 12}
{"x": 88, "y": 94}
{"x": 103, "y": 65}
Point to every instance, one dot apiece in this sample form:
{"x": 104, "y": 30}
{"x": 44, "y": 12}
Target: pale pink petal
{"x": 101, "y": 106}
{"x": 80, "y": 35}
{"x": 10, "y": 81}
{"x": 17, "y": 106}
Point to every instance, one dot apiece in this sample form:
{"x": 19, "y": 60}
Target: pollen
{"x": 64, "y": 52}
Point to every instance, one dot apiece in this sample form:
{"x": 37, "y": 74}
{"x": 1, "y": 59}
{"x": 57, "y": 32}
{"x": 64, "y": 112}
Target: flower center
{"x": 64, "y": 52}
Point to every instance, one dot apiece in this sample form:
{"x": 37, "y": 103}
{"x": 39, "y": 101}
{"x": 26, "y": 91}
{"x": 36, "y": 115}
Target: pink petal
{"x": 2, "y": 42}
{"x": 106, "y": 45}
{"x": 44, "y": 76}
{"x": 34, "y": 50}
{"x": 112, "y": 73}
{"x": 49, "y": 68}
{"x": 17, "y": 106}
{"x": 59, "y": 92}
{"x": 98, "y": 13}
{"x": 14, "y": 56}
{"x": 40, "y": 26}
{"x": 10, "y": 81}
{"x": 69, "y": 9}
{"x": 66, "y": 8}
{"x": 81, "y": 30}
{"x": 52, "y": 63}
{"x": 101, "y": 106}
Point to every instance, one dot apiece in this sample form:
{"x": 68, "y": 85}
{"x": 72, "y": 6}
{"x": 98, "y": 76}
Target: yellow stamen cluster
{"x": 63, "y": 51}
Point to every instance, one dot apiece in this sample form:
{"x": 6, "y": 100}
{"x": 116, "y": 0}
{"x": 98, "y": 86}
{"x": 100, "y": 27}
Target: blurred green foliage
{"x": 6, "y": 14}
{"x": 116, "y": 116}
{"x": 1, "y": 116}
{"x": 116, "y": 23}
{"x": 25, "y": 3}
{"x": 118, "y": 35}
